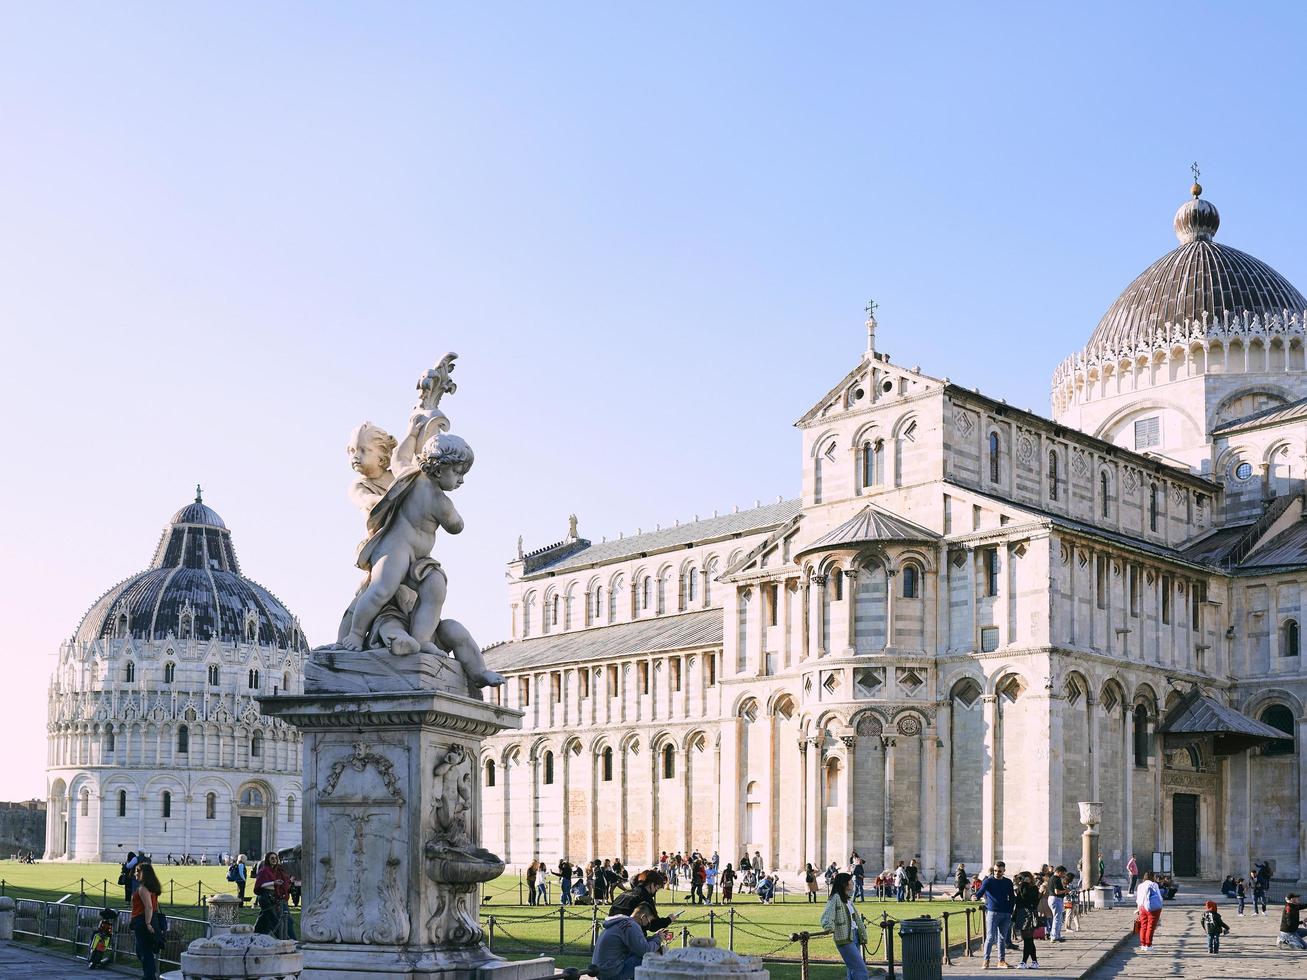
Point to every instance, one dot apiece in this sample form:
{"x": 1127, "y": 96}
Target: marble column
{"x": 1128, "y": 790}
{"x": 989, "y": 782}
{"x": 820, "y": 582}
{"x": 805, "y": 614}
{"x": 944, "y": 785}
{"x": 850, "y": 799}
{"x": 812, "y": 823}
{"x": 891, "y": 601}
{"x": 851, "y": 610}
{"x": 887, "y": 797}
{"x": 1302, "y": 800}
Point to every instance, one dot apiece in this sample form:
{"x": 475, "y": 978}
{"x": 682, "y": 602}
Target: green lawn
{"x": 519, "y": 930}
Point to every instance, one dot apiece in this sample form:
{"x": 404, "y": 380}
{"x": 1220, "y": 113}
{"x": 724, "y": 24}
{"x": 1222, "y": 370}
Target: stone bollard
{"x": 224, "y": 911}
{"x": 701, "y": 958}
{"x": 242, "y": 954}
{"x": 7, "y": 906}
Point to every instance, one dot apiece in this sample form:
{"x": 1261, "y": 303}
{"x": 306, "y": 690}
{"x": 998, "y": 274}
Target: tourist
{"x": 237, "y": 874}
{"x": 532, "y": 870}
{"x": 147, "y": 926}
{"x": 810, "y": 882}
{"x": 1026, "y": 919}
{"x": 859, "y": 873}
{"x": 1059, "y": 890}
{"x": 542, "y": 884}
{"x": 900, "y": 882}
{"x": 644, "y": 891}
{"x": 271, "y": 894}
{"x": 565, "y": 878}
{"x": 1000, "y": 898}
{"x": 1227, "y": 886}
{"x": 767, "y": 889}
{"x": 1132, "y": 869}
{"x": 1072, "y": 903}
{"x": 1259, "y": 891}
{"x": 624, "y": 941}
{"x": 1241, "y": 893}
{"x": 913, "y": 872}
{"x": 1148, "y": 901}
{"x": 961, "y": 879}
{"x": 745, "y": 863}
{"x": 757, "y": 862}
{"x": 847, "y": 927}
{"x": 1290, "y": 918}
{"x": 709, "y": 882}
{"x": 127, "y": 876}
{"x": 728, "y": 883}
{"x": 1214, "y": 926}
{"x": 696, "y": 885}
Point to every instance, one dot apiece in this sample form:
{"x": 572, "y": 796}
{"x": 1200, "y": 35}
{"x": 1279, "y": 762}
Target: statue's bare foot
{"x": 404, "y": 646}
{"x": 352, "y": 641}
{"x": 488, "y": 678}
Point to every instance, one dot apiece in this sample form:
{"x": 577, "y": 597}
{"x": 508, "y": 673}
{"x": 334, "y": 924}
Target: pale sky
{"x": 230, "y": 232}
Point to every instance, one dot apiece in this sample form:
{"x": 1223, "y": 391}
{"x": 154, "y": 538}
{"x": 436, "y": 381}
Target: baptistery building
{"x": 156, "y": 743}
{"x": 969, "y": 619}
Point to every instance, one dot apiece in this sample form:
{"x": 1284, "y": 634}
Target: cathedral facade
{"x": 156, "y": 742}
{"x": 972, "y": 619}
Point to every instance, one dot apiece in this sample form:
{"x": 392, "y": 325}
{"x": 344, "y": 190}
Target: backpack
{"x": 233, "y": 874}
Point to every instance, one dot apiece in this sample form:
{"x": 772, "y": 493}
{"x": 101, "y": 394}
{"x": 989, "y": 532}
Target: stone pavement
{"x": 19, "y": 960}
{"x": 1100, "y": 933}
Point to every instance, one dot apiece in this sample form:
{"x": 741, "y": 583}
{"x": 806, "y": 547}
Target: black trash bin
{"x": 920, "y": 953}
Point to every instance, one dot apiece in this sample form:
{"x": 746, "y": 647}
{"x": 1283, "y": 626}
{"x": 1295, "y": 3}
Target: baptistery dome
{"x": 1200, "y": 279}
{"x": 193, "y": 588}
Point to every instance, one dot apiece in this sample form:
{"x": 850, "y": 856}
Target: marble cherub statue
{"x": 400, "y": 602}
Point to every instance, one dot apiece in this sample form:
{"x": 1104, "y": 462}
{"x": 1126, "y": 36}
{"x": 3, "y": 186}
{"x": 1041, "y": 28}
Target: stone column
{"x": 729, "y": 798}
{"x": 1128, "y": 790}
{"x": 812, "y": 802}
{"x": 973, "y": 582}
{"x": 804, "y": 854}
{"x": 850, "y": 800}
{"x": 989, "y": 782}
{"x": 890, "y": 602}
{"x": 944, "y": 786}
{"x": 805, "y": 615}
{"x": 786, "y": 617}
{"x": 851, "y": 608}
{"x": 820, "y": 582}
{"x": 887, "y": 795}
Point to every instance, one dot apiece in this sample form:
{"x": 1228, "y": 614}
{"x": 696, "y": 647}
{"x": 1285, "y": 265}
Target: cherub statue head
{"x": 370, "y": 448}
{"x": 446, "y": 459}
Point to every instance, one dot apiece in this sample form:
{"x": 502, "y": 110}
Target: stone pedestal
{"x": 392, "y": 866}
{"x": 224, "y": 913}
{"x": 7, "y": 909}
{"x": 701, "y": 959}
{"x": 240, "y": 954}
{"x": 1102, "y": 897}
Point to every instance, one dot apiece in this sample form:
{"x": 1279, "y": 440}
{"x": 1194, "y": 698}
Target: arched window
{"x": 129, "y": 672}
{"x": 253, "y": 680}
{"x": 490, "y": 773}
{"x": 211, "y": 806}
{"x": 599, "y": 603}
{"x": 1279, "y": 716}
{"x": 1290, "y": 638}
{"x": 995, "y": 460}
{"x": 256, "y": 744}
{"x": 169, "y": 672}
{"x": 607, "y": 762}
{"x": 549, "y": 769}
{"x": 833, "y": 783}
{"x": 669, "y": 762}
{"x": 693, "y": 584}
{"x": 1152, "y": 506}
{"x": 86, "y": 802}
{"x": 837, "y": 584}
{"x": 290, "y": 809}
{"x": 167, "y": 804}
{"x": 1052, "y": 474}
{"x": 1141, "y": 736}
{"x": 213, "y": 675}
{"x": 1102, "y": 492}
{"x": 183, "y": 740}
{"x": 122, "y": 803}
{"x": 873, "y": 463}
{"x": 911, "y": 581}
{"x": 285, "y": 681}
{"x": 108, "y": 740}
{"x": 614, "y": 593}
{"x": 709, "y": 571}
{"x": 646, "y": 592}
{"x": 553, "y": 612}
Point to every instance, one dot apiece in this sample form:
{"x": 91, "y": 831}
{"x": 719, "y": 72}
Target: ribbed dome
{"x": 193, "y": 587}
{"x": 1200, "y": 277}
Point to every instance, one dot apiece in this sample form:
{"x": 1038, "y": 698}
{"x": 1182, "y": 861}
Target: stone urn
{"x": 701, "y": 958}
{"x": 242, "y": 953}
{"x": 1091, "y": 814}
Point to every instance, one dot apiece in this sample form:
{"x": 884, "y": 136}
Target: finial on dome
{"x": 1197, "y": 189}
{"x": 1196, "y": 220}
{"x": 199, "y": 496}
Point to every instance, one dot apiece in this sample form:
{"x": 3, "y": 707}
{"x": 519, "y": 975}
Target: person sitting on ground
{"x": 1290, "y": 935}
{"x": 643, "y": 891}
{"x": 623, "y": 943}
{"x": 1214, "y": 926}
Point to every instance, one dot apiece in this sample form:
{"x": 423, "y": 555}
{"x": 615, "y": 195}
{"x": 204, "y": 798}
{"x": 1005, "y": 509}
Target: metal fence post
{"x": 82, "y": 896}
{"x": 947, "y": 961}
{"x": 490, "y": 932}
{"x": 967, "y": 947}
{"x": 712, "y": 918}
{"x": 561, "y": 914}
{"x": 887, "y": 924}
{"x": 594, "y": 927}
{"x": 104, "y": 892}
{"x": 730, "y": 931}
{"x": 685, "y": 936}
{"x": 170, "y": 884}
{"x": 802, "y": 939}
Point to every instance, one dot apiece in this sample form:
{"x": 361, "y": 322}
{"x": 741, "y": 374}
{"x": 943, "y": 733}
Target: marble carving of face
{"x": 366, "y": 459}
{"x": 450, "y": 478}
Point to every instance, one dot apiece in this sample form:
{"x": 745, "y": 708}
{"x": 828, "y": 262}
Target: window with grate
{"x": 1148, "y": 433}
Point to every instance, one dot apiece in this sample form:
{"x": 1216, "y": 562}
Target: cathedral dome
{"x": 1198, "y": 278}
{"x": 193, "y": 588}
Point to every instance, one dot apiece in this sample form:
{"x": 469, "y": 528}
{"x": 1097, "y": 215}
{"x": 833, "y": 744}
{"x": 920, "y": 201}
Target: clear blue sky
{"x": 230, "y": 232}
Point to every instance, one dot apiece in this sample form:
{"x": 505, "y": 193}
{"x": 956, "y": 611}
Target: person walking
{"x": 146, "y": 926}
{"x": 1214, "y": 926}
{"x": 1026, "y": 919}
{"x": 1132, "y": 869}
{"x": 961, "y": 879}
{"x": 810, "y": 882}
{"x": 1259, "y": 891}
{"x": 847, "y": 927}
{"x": 999, "y": 896}
{"x": 1241, "y": 893}
{"x": 710, "y": 882}
{"x": 237, "y": 874}
{"x": 728, "y": 883}
{"x": 565, "y": 882}
{"x": 1148, "y": 900}
{"x": 271, "y": 894}
{"x": 757, "y": 862}
{"x": 859, "y": 878}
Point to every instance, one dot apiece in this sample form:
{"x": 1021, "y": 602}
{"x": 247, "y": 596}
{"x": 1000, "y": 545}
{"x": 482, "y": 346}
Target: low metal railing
{"x": 73, "y": 925}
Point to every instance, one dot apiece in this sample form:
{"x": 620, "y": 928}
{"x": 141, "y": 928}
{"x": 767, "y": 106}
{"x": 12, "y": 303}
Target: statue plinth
{"x": 392, "y": 864}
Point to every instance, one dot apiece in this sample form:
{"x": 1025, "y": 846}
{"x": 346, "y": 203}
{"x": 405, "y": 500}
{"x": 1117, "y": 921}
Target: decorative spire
{"x": 1197, "y": 220}
{"x": 871, "y": 308}
{"x": 1197, "y": 189}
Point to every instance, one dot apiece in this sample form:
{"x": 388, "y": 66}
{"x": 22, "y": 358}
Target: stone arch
{"x": 778, "y": 701}
{"x": 867, "y": 722}
{"x": 1147, "y": 695}
{"x": 745, "y": 701}
{"x": 1261, "y": 700}
{"x": 910, "y": 722}
{"x": 1001, "y": 673}
{"x": 1112, "y": 696}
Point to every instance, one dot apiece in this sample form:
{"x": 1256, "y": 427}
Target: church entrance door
{"x": 1184, "y": 823}
{"x": 251, "y": 839}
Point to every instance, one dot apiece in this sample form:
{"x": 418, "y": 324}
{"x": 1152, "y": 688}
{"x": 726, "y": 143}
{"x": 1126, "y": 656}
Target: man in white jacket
{"x": 1148, "y": 899}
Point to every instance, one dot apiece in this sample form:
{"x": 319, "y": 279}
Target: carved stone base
{"x": 392, "y": 864}
{"x": 335, "y": 670}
